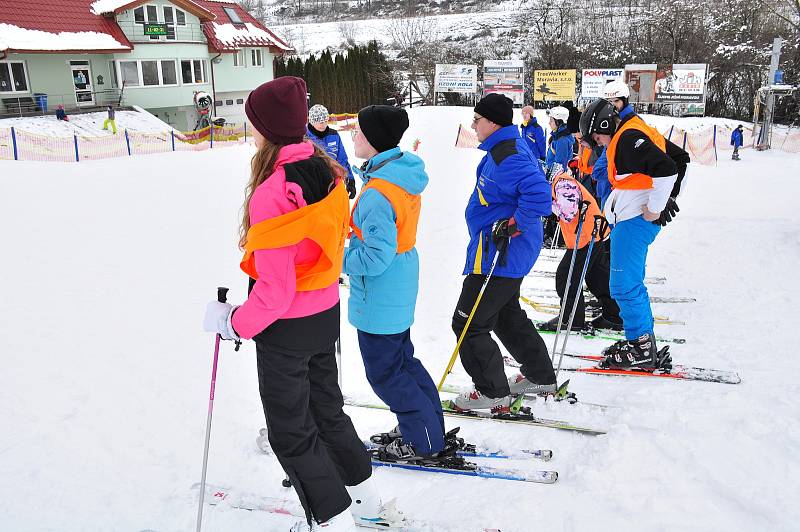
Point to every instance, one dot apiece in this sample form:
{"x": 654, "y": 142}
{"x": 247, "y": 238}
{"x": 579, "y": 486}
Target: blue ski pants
{"x": 403, "y": 383}
{"x": 629, "y": 242}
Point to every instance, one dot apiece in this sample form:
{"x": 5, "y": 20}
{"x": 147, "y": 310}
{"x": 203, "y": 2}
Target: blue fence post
{"x": 77, "y": 156}
{"x": 669, "y": 136}
{"x": 172, "y": 132}
{"x": 128, "y": 142}
{"x": 684, "y": 141}
{"x": 14, "y": 143}
{"x": 245, "y": 131}
{"x": 715, "y": 143}
{"x": 211, "y": 135}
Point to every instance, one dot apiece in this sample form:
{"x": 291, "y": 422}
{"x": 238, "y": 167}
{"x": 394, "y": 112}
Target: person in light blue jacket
{"x": 383, "y": 266}
{"x": 320, "y": 133}
{"x": 560, "y": 146}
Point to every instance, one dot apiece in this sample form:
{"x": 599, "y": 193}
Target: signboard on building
{"x": 593, "y": 81}
{"x": 641, "y": 81}
{"x": 549, "y": 85}
{"x": 680, "y": 83}
{"x": 506, "y": 77}
{"x": 155, "y": 29}
{"x": 456, "y": 78}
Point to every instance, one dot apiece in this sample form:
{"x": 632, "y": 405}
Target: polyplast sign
{"x": 456, "y": 78}
{"x": 506, "y": 77}
{"x": 594, "y": 80}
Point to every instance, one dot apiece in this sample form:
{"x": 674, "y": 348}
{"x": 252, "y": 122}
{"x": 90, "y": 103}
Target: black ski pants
{"x": 314, "y": 440}
{"x": 596, "y": 279}
{"x": 499, "y": 312}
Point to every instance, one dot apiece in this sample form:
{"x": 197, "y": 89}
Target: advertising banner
{"x": 551, "y": 85}
{"x": 680, "y": 83}
{"x": 593, "y": 81}
{"x": 506, "y": 77}
{"x": 641, "y": 80}
{"x": 456, "y": 78}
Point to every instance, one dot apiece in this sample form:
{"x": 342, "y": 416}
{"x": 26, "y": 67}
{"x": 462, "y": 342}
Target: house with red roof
{"x": 156, "y": 54}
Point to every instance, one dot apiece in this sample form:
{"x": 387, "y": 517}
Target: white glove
{"x": 218, "y": 320}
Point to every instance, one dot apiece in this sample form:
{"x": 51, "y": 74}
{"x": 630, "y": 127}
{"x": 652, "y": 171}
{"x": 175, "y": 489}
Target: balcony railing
{"x": 39, "y": 104}
{"x": 186, "y": 33}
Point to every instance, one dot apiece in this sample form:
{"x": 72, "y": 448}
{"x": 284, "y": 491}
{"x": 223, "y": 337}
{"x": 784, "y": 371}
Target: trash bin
{"x": 41, "y": 100}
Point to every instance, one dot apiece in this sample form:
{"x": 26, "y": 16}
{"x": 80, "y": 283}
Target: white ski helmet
{"x": 617, "y": 89}
{"x": 318, "y": 114}
{"x": 559, "y": 113}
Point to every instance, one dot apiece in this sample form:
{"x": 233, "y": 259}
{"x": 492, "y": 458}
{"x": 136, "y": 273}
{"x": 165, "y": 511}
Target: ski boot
{"x": 384, "y": 438}
{"x": 601, "y": 322}
{"x": 475, "y": 400}
{"x": 639, "y": 354}
{"x": 551, "y": 326}
{"x": 342, "y": 522}
{"x": 519, "y": 384}
{"x": 369, "y": 510}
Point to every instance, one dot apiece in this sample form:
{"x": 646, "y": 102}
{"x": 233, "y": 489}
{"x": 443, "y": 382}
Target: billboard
{"x": 506, "y": 77}
{"x": 641, "y": 81}
{"x": 680, "y": 83}
{"x": 551, "y": 85}
{"x": 456, "y": 78}
{"x": 593, "y": 81}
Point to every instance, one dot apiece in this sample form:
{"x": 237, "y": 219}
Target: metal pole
{"x": 766, "y": 130}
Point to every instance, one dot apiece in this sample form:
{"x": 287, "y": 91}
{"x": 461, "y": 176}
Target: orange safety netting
{"x": 466, "y": 138}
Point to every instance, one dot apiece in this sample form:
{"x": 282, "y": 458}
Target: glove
{"x": 351, "y": 187}
{"x": 218, "y": 320}
{"x": 503, "y": 230}
{"x": 668, "y": 213}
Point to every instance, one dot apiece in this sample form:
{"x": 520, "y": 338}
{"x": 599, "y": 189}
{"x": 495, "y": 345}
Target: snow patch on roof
{"x": 107, "y": 6}
{"x": 236, "y": 35}
{"x": 16, "y": 38}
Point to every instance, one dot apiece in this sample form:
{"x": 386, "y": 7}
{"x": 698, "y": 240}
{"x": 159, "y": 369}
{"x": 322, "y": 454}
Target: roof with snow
{"x": 40, "y": 26}
{"x": 99, "y": 7}
{"x": 225, "y": 35}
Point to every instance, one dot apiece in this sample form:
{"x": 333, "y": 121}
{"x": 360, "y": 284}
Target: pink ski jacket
{"x": 274, "y": 295}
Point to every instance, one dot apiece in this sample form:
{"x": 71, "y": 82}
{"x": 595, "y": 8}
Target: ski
{"x": 558, "y": 397}
{"x": 554, "y": 308}
{"x": 676, "y": 372}
{"x": 459, "y": 466}
{"x": 606, "y": 334}
{"x": 524, "y": 418}
{"x": 549, "y": 293}
{"x": 470, "y": 450}
{"x": 552, "y": 275}
{"x": 232, "y": 498}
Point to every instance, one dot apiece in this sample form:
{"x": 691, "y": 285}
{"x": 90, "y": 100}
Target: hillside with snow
{"x": 108, "y": 265}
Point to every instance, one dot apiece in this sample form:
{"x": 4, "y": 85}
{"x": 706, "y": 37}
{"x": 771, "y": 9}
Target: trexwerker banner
{"x": 456, "y": 78}
{"x": 551, "y": 85}
{"x": 681, "y": 83}
{"x": 593, "y": 81}
{"x": 505, "y": 76}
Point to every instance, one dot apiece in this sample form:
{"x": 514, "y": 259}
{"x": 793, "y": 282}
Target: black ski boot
{"x": 384, "y": 438}
{"x": 636, "y": 354}
{"x": 601, "y": 322}
{"x": 552, "y": 324}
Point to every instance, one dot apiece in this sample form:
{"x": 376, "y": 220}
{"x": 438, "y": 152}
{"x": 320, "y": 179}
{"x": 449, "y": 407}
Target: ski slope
{"x": 107, "y": 267}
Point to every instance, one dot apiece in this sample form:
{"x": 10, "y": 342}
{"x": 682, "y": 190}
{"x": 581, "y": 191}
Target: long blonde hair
{"x": 262, "y": 165}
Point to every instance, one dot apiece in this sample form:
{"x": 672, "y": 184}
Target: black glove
{"x": 350, "y": 184}
{"x": 503, "y": 229}
{"x": 668, "y": 213}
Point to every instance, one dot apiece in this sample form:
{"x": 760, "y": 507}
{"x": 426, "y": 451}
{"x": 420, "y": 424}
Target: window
{"x": 233, "y": 15}
{"x": 180, "y": 16}
{"x": 255, "y": 57}
{"x": 13, "y": 77}
{"x": 228, "y": 102}
{"x": 138, "y": 15}
{"x": 238, "y": 58}
{"x": 240, "y": 100}
{"x": 168, "y": 74}
{"x": 193, "y": 71}
{"x": 130, "y": 73}
{"x": 218, "y": 103}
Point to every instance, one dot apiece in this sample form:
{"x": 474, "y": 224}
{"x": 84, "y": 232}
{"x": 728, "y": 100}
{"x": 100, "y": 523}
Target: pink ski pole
{"x": 222, "y": 296}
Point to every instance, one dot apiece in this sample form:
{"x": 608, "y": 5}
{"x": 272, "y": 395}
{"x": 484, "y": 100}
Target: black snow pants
{"x": 596, "y": 279}
{"x": 499, "y": 312}
{"x": 314, "y": 440}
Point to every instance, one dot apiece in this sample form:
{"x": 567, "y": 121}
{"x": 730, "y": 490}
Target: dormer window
{"x": 233, "y": 15}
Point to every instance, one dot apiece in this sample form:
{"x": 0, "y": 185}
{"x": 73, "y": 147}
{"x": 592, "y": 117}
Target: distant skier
{"x": 293, "y": 229}
{"x": 533, "y": 133}
{"x": 737, "y": 139}
{"x": 110, "y": 120}
{"x": 559, "y": 154}
{"x": 383, "y": 266}
{"x": 329, "y": 140}
{"x": 61, "y": 114}
{"x": 503, "y": 216}
{"x": 646, "y": 172}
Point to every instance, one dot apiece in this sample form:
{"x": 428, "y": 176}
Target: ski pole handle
{"x": 222, "y": 294}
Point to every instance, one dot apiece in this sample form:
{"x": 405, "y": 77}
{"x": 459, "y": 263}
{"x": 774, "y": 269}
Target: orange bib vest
{"x": 635, "y": 181}
{"x": 583, "y": 160}
{"x": 406, "y": 209}
{"x": 324, "y": 222}
{"x": 568, "y": 228}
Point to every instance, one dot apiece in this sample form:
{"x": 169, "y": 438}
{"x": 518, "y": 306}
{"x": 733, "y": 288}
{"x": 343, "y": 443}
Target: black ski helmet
{"x": 598, "y": 118}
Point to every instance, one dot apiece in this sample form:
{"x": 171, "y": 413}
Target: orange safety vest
{"x": 583, "y": 160}
{"x": 568, "y": 228}
{"x": 406, "y": 210}
{"x": 324, "y": 222}
{"x": 635, "y": 181}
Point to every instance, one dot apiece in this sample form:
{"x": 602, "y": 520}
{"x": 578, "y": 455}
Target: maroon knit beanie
{"x": 278, "y": 110}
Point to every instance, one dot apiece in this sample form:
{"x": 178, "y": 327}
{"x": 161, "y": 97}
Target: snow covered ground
{"x": 104, "y": 387}
{"x": 87, "y": 124}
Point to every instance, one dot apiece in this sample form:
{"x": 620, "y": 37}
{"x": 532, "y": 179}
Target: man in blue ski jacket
{"x": 329, "y": 140}
{"x": 737, "y": 139}
{"x": 505, "y": 230}
{"x": 533, "y": 133}
{"x": 560, "y": 146}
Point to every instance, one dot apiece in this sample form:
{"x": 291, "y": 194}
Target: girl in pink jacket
{"x": 293, "y": 230}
